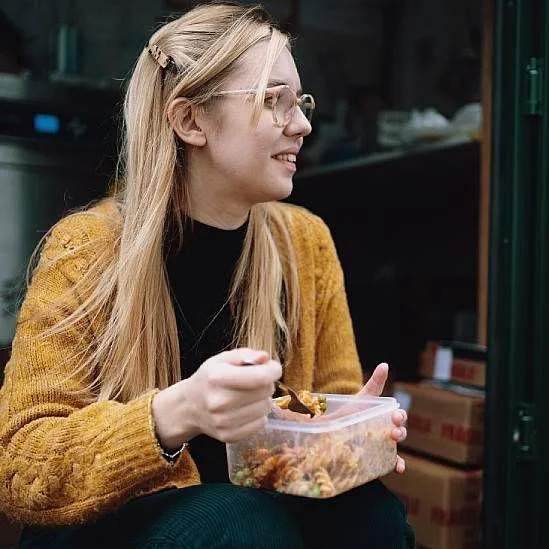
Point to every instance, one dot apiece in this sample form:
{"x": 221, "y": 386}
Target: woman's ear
{"x": 183, "y": 120}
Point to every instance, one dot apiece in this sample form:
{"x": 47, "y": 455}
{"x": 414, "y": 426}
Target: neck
{"x": 212, "y": 203}
{"x": 218, "y": 215}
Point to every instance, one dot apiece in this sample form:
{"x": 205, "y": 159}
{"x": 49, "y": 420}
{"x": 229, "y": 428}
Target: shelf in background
{"x": 435, "y": 177}
{"x": 405, "y": 225}
{"x": 389, "y": 157}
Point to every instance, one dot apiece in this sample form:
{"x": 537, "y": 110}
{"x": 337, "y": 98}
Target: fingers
{"x": 398, "y": 434}
{"x": 374, "y": 386}
{"x": 228, "y": 424}
{"x": 243, "y": 369}
{"x": 243, "y": 431}
{"x": 400, "y": 466}
{"x": 399, "y": 417}
{"x": 245, "y": 378}
{"x": 244, "y": 355}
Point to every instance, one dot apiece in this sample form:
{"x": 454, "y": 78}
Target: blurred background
{"x": 389, "y": 77}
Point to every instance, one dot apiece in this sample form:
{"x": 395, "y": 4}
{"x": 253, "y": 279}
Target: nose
{"x": 298, "y": 124}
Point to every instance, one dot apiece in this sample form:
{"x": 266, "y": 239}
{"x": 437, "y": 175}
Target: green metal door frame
{"x": 541, "y": 288}
{"x": 519, "y": 275}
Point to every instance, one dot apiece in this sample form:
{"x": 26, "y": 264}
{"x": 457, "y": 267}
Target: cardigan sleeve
{"x": 337, "y": 365}
{"x": 62, "y": 459}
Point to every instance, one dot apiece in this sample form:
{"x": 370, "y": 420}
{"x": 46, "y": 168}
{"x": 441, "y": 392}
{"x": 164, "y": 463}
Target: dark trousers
{"x": 223, "y": 516}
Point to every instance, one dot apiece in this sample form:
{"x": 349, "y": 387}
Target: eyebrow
{"x": 272, "y": 83}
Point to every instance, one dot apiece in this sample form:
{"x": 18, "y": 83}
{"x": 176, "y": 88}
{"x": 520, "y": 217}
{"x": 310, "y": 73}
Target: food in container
{"x": 316, "y": 403}
{"x": 319, "y": 457}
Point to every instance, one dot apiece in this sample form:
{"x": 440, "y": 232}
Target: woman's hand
{"x": 222, "y": 399}
{"x": 374, "y": 387}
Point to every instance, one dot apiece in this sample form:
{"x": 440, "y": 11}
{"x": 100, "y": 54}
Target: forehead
{"x": 284, "y": 70}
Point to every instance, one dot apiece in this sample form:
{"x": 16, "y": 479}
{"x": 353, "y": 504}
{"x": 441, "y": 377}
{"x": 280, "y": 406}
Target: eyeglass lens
{"x": 284, "y": 106}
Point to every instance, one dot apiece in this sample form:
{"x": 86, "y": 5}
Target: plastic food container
{"x": 347, "y": 446}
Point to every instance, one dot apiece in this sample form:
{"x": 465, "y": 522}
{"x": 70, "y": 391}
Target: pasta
{"x": 318, "y": 466}
{"x": 317, "y": 403}
{"x": 320, "y": 456}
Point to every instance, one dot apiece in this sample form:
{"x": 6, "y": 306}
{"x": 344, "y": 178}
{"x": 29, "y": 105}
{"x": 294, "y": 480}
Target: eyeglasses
{"x": 282, "y": 100}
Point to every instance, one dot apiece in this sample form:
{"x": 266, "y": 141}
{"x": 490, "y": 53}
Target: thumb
{"x": 243, "y": 355}
{"x": 374, "y": 386}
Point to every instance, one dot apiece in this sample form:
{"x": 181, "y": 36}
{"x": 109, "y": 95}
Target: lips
{"x": 289, "y": 165}
{"x": 288, "y": 157}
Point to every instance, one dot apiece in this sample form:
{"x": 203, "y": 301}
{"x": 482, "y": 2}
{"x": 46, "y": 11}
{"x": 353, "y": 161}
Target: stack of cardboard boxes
{"x": 461, "y": 363}
{"x": 442, "y": 485}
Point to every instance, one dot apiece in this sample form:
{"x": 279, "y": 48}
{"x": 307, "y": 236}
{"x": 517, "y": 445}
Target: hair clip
{"x": 160, "y": 57}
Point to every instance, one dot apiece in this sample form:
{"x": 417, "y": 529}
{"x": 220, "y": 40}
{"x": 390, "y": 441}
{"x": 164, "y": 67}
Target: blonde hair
{"x": 137, "y": 348}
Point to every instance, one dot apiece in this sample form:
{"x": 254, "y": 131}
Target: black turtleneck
{"x": 200, "y": 275}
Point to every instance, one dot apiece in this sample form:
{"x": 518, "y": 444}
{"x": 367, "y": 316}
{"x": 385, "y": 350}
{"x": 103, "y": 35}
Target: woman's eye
{"x": 269, "y": 101}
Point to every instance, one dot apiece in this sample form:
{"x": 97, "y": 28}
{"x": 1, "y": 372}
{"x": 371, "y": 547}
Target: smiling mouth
{"x": 286, "y": 157}
{"x": 286, "y": 160}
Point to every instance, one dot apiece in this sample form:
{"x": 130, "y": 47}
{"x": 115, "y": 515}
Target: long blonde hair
{"x": 137, "y": 347}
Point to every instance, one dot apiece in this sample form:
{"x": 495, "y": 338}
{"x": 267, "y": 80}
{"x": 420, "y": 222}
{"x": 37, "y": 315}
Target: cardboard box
{"x": 455, "y": 362}
{"x": 444, "y": 503}
{"x": 446, "y": 423}
{"x": 9, "y": 533}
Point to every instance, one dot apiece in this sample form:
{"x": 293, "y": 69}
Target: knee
{"x": 257, "y": 519}
{"x": 232, "y": 517}
{"x": 389, "y": 521}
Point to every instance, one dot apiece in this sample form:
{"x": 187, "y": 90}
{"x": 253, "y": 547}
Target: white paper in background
{"x": 443, "y": 364}
{"x": 404, "y": 399}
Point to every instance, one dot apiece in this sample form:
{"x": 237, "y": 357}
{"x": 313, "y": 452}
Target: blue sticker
{"x": 46, "y": 123}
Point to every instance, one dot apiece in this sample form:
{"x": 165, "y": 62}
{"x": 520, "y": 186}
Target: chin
{"x": 283, "y": 190}
{"x": 274, "y": 189}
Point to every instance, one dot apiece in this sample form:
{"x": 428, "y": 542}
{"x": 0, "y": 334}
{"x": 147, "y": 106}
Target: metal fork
{"x": 296, "y": 404}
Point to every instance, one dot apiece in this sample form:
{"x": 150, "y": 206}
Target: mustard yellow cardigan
{"x": 63, "y": 461}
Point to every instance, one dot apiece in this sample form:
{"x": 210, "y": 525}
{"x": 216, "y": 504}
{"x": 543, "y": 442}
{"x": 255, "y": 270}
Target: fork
{"x": 296, "y": 404}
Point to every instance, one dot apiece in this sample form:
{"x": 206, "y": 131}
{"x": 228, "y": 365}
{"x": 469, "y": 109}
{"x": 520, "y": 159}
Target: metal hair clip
{"x": 165, "y": 61}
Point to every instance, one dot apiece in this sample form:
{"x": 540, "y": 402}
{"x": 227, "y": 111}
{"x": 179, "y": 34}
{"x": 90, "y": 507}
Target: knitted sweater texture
{"x": 65, "y": 461}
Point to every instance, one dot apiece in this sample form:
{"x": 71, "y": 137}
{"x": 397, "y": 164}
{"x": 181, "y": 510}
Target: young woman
{"x": 127, "y": 376}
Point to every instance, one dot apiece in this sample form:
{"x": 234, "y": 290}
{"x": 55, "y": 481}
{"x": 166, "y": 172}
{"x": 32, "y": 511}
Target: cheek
{"x": 240, "y": 151}
{"x": 249, "y": 152}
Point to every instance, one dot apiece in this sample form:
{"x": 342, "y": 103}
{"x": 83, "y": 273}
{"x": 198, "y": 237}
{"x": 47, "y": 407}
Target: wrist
{"x": 172, "y": 417}
{"x": 172, "y": 456}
